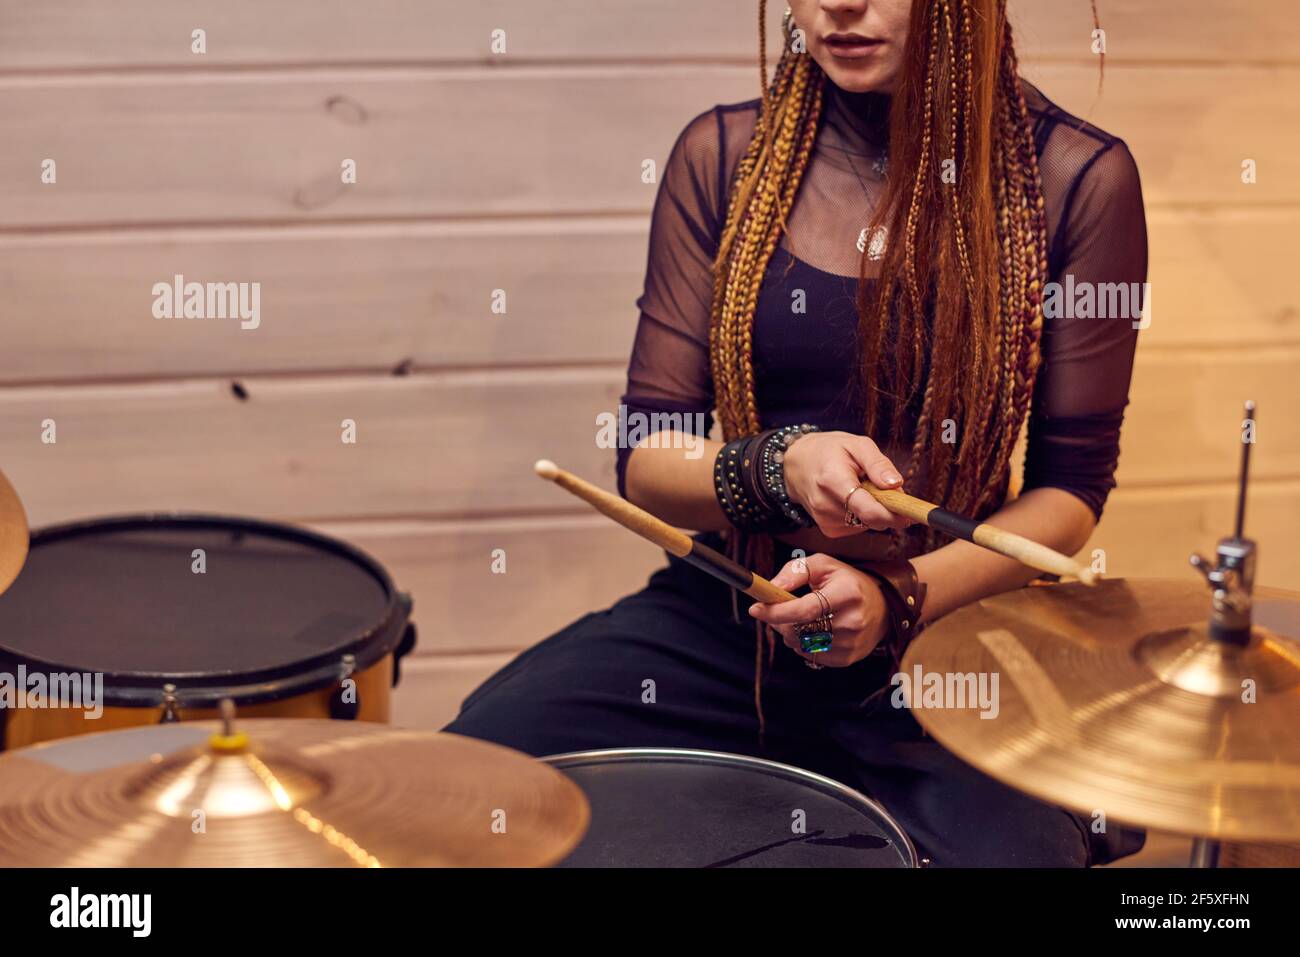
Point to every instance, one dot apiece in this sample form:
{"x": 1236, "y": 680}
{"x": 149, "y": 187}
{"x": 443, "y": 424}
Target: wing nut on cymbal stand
{"x": 1232, "y": 576}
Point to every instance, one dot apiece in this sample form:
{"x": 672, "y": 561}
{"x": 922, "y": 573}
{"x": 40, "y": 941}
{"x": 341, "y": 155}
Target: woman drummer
{"x": 861, "y": 272}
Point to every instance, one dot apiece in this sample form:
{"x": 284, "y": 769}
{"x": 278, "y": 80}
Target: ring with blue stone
{"x": 815, "y": 636}
{"x": 815, "y": 642}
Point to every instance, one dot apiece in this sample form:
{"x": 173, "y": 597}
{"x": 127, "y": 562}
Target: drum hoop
{"x": 837, "y": 788}
{"x": 197, "y": 689}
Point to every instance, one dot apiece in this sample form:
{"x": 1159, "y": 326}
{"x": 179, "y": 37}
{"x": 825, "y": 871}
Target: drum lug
{"x": 340, "y": 708}
{"x": 170, "y": 705}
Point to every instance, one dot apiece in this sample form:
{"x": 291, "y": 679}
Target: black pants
{"x": 588, "y": 686}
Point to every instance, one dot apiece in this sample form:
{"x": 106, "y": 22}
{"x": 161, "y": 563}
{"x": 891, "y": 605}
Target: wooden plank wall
{"x": 521, "y": 171}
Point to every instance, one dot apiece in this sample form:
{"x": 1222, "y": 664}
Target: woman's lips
{"x": 851, "y": 46}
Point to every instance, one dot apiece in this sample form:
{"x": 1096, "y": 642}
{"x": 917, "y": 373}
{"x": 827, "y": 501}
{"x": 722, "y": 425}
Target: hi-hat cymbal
{"x": 1115, "y": 699}
{"x": 13, "y": 534}
{"x": 300, "y": 793}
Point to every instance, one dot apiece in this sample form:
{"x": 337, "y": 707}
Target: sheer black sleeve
{"x": 668, "y": 378}
{"x": 1098, "y": 271}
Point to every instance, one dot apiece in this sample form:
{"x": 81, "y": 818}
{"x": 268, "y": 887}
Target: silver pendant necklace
{"x": 870, "y": 241}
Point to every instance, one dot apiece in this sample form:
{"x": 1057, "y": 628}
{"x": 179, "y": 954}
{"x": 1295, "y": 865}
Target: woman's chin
{"x": 856, "y": 76}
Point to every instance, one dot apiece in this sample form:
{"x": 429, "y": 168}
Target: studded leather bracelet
{"x": 749, "y": 481}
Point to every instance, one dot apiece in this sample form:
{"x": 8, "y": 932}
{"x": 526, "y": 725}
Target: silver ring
{"x": 850, "y": 519}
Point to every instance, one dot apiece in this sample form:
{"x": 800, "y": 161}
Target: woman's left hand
{"x": 859, "y": 616}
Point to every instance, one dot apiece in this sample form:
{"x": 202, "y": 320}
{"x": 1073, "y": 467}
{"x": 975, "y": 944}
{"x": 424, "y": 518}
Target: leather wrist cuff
{"x": 904, "y": 595}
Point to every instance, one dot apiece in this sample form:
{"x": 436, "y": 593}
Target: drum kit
{"x": 239, "y": 673}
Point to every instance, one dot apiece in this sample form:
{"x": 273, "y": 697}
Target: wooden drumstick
{"x": 999, "y": 540}
{"x": 664, "y": 535}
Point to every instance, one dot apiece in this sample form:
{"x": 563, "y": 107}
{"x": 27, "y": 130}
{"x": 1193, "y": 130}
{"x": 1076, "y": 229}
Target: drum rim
{"x": 837, "y": 788}
{"x": 207, "y": 689}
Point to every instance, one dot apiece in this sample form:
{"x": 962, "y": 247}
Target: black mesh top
{"x": 804, "y": 362}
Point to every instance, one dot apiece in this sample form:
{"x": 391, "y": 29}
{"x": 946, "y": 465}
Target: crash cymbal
{"x": 283, "y": 793}
{"x": 1115, "y": 699}
{"x": 13, "y": 534}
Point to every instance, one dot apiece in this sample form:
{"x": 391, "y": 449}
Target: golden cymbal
{"x": 1115, "y": 699}
{"x": 300, "y": 793}
{"x": 13, "y": 534}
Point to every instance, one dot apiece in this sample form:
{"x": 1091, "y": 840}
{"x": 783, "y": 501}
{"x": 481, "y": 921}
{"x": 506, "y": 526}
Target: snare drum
{"x": 655, "y": 807}
{"x": 178, "y": 612}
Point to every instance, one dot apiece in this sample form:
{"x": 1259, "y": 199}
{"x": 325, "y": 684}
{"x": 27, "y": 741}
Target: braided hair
{"x": 950, "y": 332}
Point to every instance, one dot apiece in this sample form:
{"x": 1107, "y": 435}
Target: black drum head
{"x": 683, "y": 808}
{"x": 125, "y": 597}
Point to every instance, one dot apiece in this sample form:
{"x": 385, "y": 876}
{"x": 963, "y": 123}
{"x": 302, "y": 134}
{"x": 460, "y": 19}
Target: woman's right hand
{"x": 821, "y": 468}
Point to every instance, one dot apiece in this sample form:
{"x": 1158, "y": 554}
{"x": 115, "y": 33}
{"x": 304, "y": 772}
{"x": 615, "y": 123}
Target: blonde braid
{"x": 766, "y": 182}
